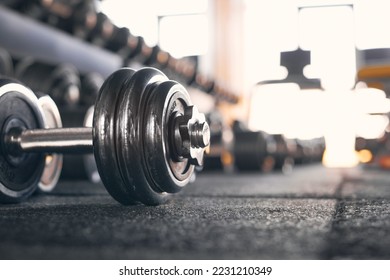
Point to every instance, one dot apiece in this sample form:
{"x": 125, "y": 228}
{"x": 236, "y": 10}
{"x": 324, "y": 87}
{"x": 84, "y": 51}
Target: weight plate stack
{"x": 134, "y": 118}
{"x": 19, "y": 173}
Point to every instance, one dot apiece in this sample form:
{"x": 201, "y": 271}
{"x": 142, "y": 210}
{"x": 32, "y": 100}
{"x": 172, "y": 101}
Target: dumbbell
{"x": 250, "y": 151}
{"x": 282, "y": 155}
{"x": 220, "y": 154}
{"x": 259, "y": 151}
{"x": 102, "y": 30}
{"x": 61, "y": 81}
{"x": 147, "y": 138}
{"x": 75, "y": 17}
{"x": 312, "y": 149}
{"x": 123, "y": 43}
{"x": 142, "y": 54}
{"x": 90, "y": 86}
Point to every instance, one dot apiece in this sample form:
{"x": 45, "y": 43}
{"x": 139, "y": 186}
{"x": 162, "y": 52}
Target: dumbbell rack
{"x": 23, "y": 36}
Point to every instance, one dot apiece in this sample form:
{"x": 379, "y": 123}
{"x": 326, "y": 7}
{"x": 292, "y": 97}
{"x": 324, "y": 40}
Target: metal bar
{"x": 77, "y": 140}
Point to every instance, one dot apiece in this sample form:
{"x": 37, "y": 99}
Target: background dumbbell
{"x": 259, "y": 151}
{"x": 220, "y": 155}
{"x": 147, "y": 138}
{"x": 283, "y": 155}
{"x": 90, "y": 86}
{"x": 79, "y": 19}
{"x": 312, "y": 150}
{"x": 61, "y": 81}
{"x": 102, "y": 31}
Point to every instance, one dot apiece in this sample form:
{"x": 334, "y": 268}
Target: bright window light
{"x": 372, "y": 24}
{"x": 329, "y": 33}
{"x": 269, "y": 28}
{"x": 139, "y": 16}
{"x": 338, "y": 115}
{"x": 185, "y": 35}
{"x": 285, "y": 109}
{"x": 177, "y": 7}
{"x": 178, "y": 26}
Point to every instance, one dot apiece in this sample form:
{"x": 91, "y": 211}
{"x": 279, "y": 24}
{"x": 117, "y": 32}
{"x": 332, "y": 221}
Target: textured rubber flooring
{"x": 312, "y": 213}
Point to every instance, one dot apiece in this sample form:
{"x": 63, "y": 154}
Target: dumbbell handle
{"x": 78, "y": 140}
{"x": 75, "y": 140}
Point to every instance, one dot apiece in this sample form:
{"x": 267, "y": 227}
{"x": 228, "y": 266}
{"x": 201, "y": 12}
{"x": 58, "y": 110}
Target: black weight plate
{"x": 168, "y": 99}
{"x": 19, "y": 175}
{"x": 104, "y": 136}
{"x": 250, "y": 150}
{"x": 129, "y": 147}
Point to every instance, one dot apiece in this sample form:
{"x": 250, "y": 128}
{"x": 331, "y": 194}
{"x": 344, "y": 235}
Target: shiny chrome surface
{"x": 191, "y": 135}
{"x": 53, "y": 140}
{"x": 53, "y": 162}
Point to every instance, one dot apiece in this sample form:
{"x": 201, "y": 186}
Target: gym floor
{"x": 312, "y": 213}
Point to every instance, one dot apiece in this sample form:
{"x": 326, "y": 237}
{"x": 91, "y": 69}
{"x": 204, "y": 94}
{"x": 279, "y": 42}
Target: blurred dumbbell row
{"x": 233, "y": 147}
{"x": 236, "y": 148}
{"x": 83, "y": 20}
{"x": 63, "y": 81}
{"x": 74, "y": 95}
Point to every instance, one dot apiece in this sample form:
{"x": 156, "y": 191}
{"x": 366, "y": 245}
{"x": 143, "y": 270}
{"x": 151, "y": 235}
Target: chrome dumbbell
{"x": 146, "y": 137}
